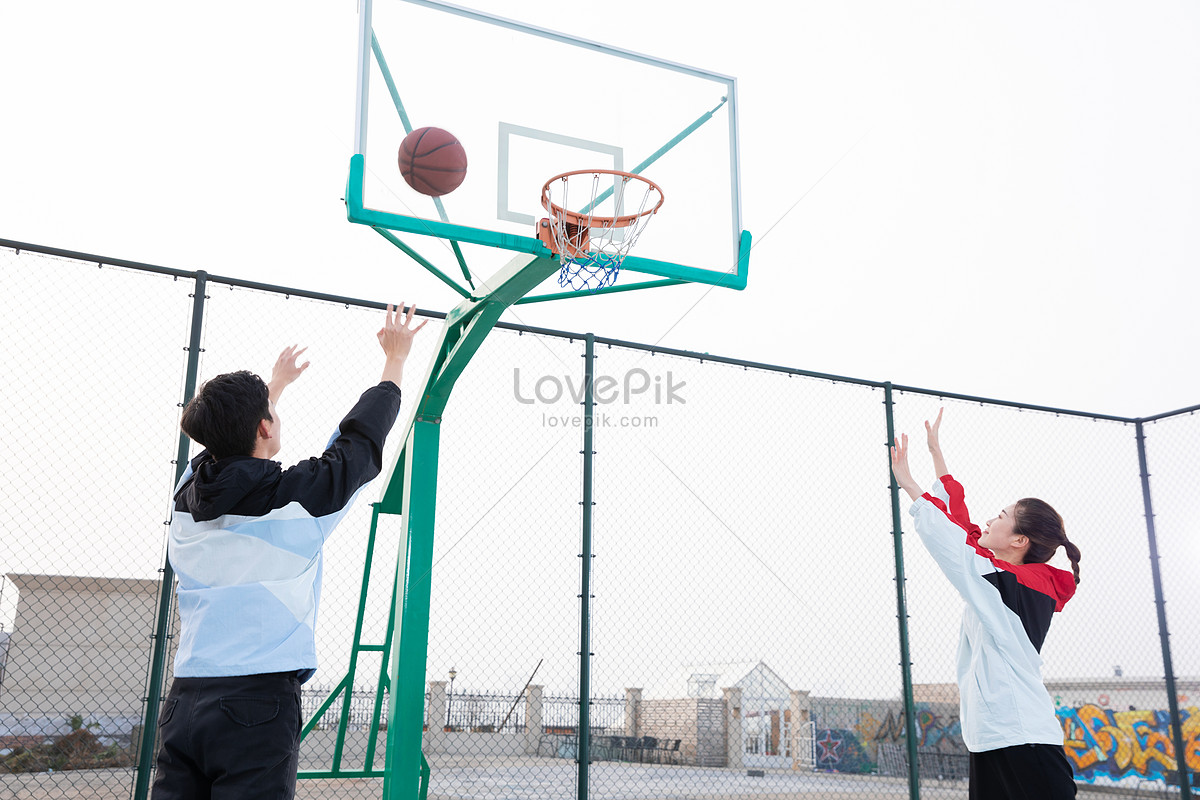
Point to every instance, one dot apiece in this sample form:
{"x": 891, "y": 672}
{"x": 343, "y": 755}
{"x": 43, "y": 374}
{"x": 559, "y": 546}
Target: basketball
{"x": 432, "y": 161}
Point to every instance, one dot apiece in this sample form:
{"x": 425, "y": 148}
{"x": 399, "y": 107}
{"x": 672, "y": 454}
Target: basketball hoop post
{"x": 586, "y": 238}
{"x": 411, "y": 492}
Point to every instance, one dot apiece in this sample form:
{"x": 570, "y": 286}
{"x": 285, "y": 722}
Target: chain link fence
{"x": 752, "y": 623}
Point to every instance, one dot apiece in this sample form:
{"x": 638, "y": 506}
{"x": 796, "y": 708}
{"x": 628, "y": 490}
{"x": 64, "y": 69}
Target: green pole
{"x": 584, "y": 749}
{"x": 910, "y": 715}
{"x": 345, "y": 687}
{"x": 411, "y": 491}
{"x": 383, "y": 684}
{"x": 420, "y": 259}
{"x": 1164, "y": 635}
{"x": 406, "y": 707}
{"x": 158, "y": 655}
{"x": 344, "y": 719}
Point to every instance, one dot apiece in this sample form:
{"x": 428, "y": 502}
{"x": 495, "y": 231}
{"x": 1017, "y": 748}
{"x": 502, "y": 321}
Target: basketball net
{"x": 591, "y": 245}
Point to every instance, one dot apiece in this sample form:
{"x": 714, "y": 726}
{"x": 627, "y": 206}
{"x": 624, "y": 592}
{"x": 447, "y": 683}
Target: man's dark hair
{"x": 224, "y": 414}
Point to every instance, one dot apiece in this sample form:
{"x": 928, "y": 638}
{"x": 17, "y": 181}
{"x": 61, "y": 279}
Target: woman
{"x": 1008, "y": 720}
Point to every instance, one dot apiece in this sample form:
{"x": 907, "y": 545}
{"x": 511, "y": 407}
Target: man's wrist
{"x": 393, "y": 370}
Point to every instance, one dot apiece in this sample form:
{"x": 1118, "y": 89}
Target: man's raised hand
{"x": 396, "y": 337}
{"x": 286, "y": 370}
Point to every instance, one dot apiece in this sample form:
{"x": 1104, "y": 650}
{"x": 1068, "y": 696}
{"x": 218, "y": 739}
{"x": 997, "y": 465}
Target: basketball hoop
{"x": 591, "y": 245}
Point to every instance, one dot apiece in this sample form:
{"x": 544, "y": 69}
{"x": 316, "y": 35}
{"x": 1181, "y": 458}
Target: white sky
{"x": 1011, "y": 210}
{"x": 1017, "y": 221}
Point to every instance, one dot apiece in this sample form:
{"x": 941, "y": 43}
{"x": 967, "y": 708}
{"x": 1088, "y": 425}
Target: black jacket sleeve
{"x": 324, "y": 485}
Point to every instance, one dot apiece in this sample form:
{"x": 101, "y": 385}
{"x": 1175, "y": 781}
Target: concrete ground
{"x": 546, "y": 779}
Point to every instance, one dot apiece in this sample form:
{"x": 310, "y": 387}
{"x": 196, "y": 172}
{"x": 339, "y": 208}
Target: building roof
{"x": 82, "y": 583}
{"x": 754, "y": 678}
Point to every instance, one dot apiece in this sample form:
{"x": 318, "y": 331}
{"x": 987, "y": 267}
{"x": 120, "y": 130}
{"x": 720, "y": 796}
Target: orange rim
{"x": 593, "y": 220}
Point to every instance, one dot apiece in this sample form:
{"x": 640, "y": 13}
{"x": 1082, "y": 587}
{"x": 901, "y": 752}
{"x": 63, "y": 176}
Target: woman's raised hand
{"x": 935, "y": 446}
{"x": 904, "y": 478}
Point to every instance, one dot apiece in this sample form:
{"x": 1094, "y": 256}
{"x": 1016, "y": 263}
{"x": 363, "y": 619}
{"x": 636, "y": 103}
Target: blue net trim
{"x": 589, "y": 274}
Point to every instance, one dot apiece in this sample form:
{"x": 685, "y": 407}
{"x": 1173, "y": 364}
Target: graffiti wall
{"x": 848, "y": 737}
{"x": 1102, "y": 743}
{"x": 937, "y": 725}
{"x": 840, "y": 750}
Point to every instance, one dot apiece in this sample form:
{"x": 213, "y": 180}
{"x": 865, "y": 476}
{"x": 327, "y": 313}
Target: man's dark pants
{"x": 227, "y": 738}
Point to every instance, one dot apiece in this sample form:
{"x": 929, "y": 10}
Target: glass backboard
{"x": 527, "y": 104}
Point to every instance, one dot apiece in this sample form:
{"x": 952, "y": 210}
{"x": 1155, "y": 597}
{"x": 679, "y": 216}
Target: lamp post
{"x": 450, "y": 696}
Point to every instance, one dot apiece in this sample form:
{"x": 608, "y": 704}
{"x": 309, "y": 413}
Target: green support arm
{"x": 411, "y": 491}
{"x": 464, "y": 330}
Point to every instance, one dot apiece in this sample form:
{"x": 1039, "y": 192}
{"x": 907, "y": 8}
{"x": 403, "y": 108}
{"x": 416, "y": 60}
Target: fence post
{"x": 583, "y": 747}
{"x": 801, "y": 744}
{"x": 436, "y": 719}
{"x": 534, "y": 719}
{"x": 633, "y": 708}
{"x": 1163, "y": 633}
{"x": 158, "y": 655}
{"x": 910, "y": 722}
{"x": 734, "y": 744}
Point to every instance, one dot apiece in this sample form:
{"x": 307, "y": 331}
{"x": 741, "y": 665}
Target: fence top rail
{"x": 610, "y": 342}
{"x": 94, "y": 259}
{"x": 1176, "y": 413}
{"x": 990, "y": 401}
{"x": 104, "y": 261}
{"x": 737, "y": 362}
{"x": 570, "y": 698}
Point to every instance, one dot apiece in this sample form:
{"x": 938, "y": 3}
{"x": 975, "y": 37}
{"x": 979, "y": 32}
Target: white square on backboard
{"x": 528, "y": 157}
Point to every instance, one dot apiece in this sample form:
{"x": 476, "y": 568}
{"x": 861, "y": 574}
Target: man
{"x": 245, "y": 541}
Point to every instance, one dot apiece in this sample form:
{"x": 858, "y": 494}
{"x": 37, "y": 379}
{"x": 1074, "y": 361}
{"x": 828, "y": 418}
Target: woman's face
{"x": 998, "y": 535}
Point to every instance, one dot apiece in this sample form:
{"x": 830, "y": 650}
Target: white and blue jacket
{"x": 1002, "y": 701}
{"x": 245, "y": 542}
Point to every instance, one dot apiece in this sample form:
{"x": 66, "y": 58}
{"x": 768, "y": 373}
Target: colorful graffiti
{"x": 1099, "y": 742}
{"x": 839, "y": 750}
{"x": 943, "y": 733}
{"x": 1118, "y": 744}
{"x": 856, "y": 749}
